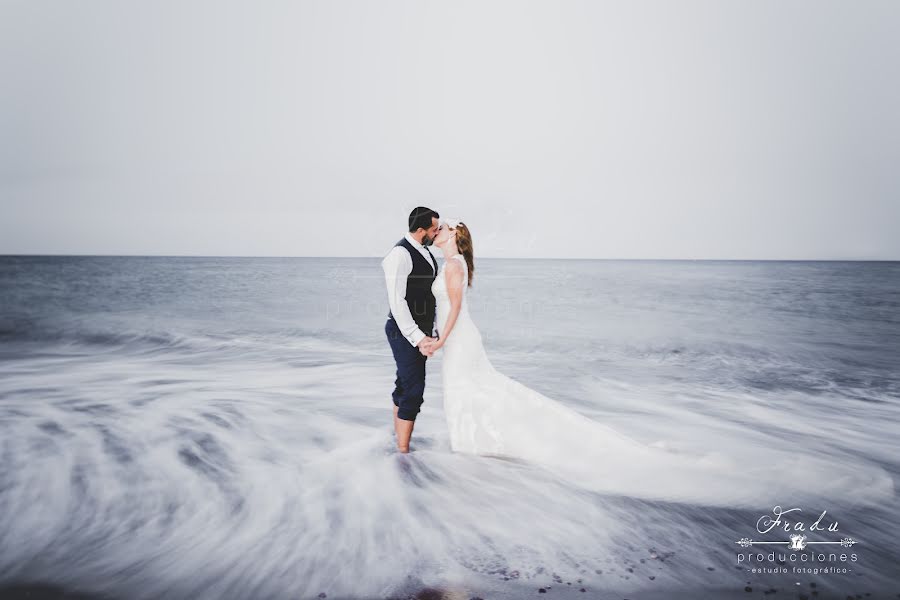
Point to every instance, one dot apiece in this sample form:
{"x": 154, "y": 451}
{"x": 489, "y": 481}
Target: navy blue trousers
{"x": 409, "y": 387}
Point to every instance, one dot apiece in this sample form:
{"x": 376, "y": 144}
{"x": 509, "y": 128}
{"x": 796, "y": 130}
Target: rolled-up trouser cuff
{"x": 407, "y": 414}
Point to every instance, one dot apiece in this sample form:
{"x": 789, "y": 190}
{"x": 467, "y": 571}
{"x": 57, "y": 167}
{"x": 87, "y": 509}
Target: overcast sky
{"x": 729, "y": 130}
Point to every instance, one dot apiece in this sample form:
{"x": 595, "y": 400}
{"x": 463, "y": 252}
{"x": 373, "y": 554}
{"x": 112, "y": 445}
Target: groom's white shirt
{"x": 397, "y": 266}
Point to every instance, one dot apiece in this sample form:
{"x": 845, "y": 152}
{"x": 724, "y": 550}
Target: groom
{"x": 409, "y": 271}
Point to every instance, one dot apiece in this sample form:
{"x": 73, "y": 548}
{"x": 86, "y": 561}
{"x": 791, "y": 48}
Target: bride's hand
{"x": 434, "y": 347}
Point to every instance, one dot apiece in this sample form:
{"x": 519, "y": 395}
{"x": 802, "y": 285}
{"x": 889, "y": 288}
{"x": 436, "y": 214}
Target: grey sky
{"x": 556, "y": 129}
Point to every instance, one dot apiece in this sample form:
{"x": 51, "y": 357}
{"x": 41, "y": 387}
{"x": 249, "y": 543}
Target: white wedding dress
{"x": 489, "y": 413}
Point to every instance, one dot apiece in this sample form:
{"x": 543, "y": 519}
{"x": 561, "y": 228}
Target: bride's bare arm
{"x": 453, "y": 276}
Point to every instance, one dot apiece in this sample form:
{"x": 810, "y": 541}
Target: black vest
{"x": 418, "y": 288}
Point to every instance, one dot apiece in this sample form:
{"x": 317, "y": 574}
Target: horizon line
{"x": 438, "y": 255}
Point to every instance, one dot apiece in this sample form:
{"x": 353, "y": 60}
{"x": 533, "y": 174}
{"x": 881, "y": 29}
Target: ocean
{"x": 205, "y": 427}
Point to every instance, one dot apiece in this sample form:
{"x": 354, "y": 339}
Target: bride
{"x": 491, "y": 414}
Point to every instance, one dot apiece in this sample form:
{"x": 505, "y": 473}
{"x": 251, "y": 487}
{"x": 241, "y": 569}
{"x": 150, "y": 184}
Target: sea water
{"x": 191, "y": 427}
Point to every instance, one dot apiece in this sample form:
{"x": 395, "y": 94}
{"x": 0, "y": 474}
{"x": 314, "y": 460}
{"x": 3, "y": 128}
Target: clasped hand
{"x": 429, "y": 345}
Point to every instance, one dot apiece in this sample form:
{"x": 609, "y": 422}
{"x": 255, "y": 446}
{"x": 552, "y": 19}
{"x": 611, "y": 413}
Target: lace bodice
{"x": 441, "y": 295}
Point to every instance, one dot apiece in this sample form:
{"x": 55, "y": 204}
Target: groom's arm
{"x": 397, "y": 266}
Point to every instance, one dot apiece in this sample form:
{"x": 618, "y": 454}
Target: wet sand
{"x": 805, "y": 591}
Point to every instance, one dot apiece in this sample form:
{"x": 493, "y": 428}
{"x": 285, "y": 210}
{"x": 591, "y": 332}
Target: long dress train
{"x": 489, "y": 413}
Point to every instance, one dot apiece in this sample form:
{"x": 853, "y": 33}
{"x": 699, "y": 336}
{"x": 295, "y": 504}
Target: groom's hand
{"x": 424, "y": 345}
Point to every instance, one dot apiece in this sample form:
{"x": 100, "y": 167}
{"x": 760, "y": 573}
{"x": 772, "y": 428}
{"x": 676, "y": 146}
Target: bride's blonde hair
{"x": 464, "y": 245}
